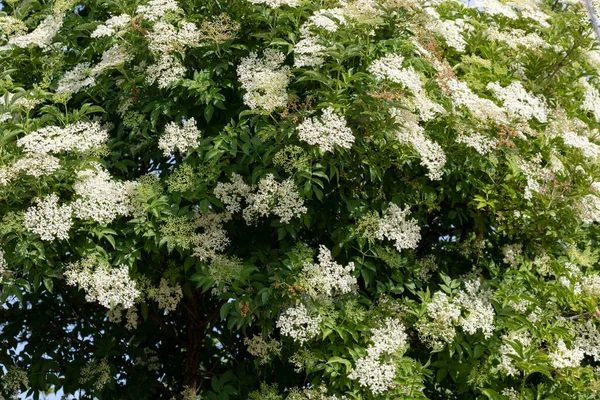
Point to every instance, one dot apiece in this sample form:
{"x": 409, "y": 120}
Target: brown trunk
{"x": 195, "y": 337}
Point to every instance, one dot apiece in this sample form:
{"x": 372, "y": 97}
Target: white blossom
{"x": 517, "y": 38}
{"x": 589, "y": 149}
{"x": 442, "y": 315}
{"x": 480, "y": 108}
{"x": 394, "y": 226}
{"x": 519, "y": 103}
{"x": 262, "y": 349}
{"x": 277, "y": 3}
{"x": 564, "y": 357}
{"x": 388, "y": 339}
{"x": 374, "y": 374}
{"x": 214, "y": 238}
{"x": 328, "y": 131}
{"x": 111, "y": 58}
{"x": 80, "y": 136}
{"x": 158, "y": 9}
{"x": 111, "y": 26}
{"x": 42, "y": 36}
{"x": 179, "y": 139}
{"x": 99, "y": 197}
{"x": 165, "y": 38}
{"x": 232, "y": 194}
{"x": 507, "y": 351}
{"x": 480, "y": 313}
{"x": 297, "y": 323}
{"x": 49, "y": 219}
{"x": 591, "y": 100}
{"x": 265, "y": 80}
{"x": 451, "y": 31}
{"x": 329, "y": 278}
{"x": 166, "y": 296}
{"x": 279, "y": 198}
{"x": 76, "y": 79}
{"x": 482, "y": 144}
{"x": 36, "y": 165}
{"x": 535, "y": 173}
{"x": 166, "y": 70}
{"x": 308, "y": 52}
{"x": 587, "y": 338}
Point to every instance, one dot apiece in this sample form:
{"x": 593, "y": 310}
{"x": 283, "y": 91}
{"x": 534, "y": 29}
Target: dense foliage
{"x": 299, "y": 199}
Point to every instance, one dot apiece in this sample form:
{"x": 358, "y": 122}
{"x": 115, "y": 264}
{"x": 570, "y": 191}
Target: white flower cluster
{"x": 13, "y": 379}
{"x": 395, "y": 227}
{"x": 328, "y": 131}
{"x": 390, "y": 68}
{"x": 42, "y": 36}
{"x": 507, "y": 351}
{"x": 564, "y": 357}
{"x": 165, "y": 38}
{"x": 480, "y": 108}
{"x": 534, "y": 172}
{"x": 76, "y": 79}
{"x": 589, "y": 149}
{"x": 308, "y": 52}
{"x": 166, "y": 70}
{"x": 297, "y": 323}
{"x": 181, "y": 139}
{"x": 482, "y": 144}
{"x": 512, "y": 254}
{"x": 589, "y": 285}
{"x": 103, "y": 284}
{"x": 277, "y": 3}
{"x": 157, "y": 9}
{"x": 516, "y": 38}
{"x": 99, "y": 197}
{"x": 232, "y": 194}
{"x": 591, "y": 101}
{"x": 370, "y": 371}
{"x": 589, "y": 209}
{"x": 442, "y": 315}
{"x": 511, "y": 393}
{"x": 213, "y": 239}
{"x": 519, "y": 103}
{"x": 3, "y": 265}
{"x": 35, "y": 165}
{"x": 80, "y": 136}
{"x": 166, "y": 296}
{"x": 111, "y": 26}
{"x": 262, "y": 349}
{"x": 98, "y": 372}
{"x": 450, "y": 30}
{"x": 480, "y": 313}
{"x": 410, "y": 132}
{"x": 265, "y": 80}
{"x": 49, "y": 219}
{"x": 532, "y": 11}
{"x": 272, "y": 197}
{"x": 496, "y": 7}
{"x": 10, "y": 25}
{"x": 111, "y": 58}
{"x": 328, "y": 278}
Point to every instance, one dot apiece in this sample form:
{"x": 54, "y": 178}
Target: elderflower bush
{"x": 299, "y": 199}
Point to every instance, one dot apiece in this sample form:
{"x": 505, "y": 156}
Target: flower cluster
{"x": 480, "y": 108}
{"x": 166, "y": 296}
{"x": 370, "y": 371}
{"x": 519, "y": 103}
{"x": 99, "y": 197}
{"x": 165, "y": 38}
{"x": 76, "y": 79}
{"x": 277, "y": 3}
{"x": 262, "y": 349}
{"x": 180, "y": 139}
{"x": 482, "y": 144}
{"x": 450, "y": 30}
{"x": 42, "y": 36}
{"x": 563, "y": 357}
{"x": 535, "y": 173}
{"x": 591, "y": 101}
{"x": 166, "y": 70}
{"x": 328, "y": 131}
{"x": 442, "y": 315}
{"x": 13, "y": 379}
{"x": 265, "y": 80}
{"x": 102, "y": 283}
{"x": 232, "y": 194}
{"x": 111, "y": 58}
{"x": 80, "y": 136}
{"x": 480, "y": 313}
{"x": 410, "y": 132}
{"x": 158, "y": 9}
{"x": 587, "y": 338}
{"x": 508, "y": 352}
{"x": 11, "y": 25}
{"x": 297, "y": 323}
{"x": 328, "y": 278}
{"x": 394, "y": 226}
{"x": 516, "y": 38}
{"x": 279, "y": 198}
{"x": 214, "y": 238}
{"x": 49, "y": 219}
{"x": 111, "y": 26}
{"x": 97, "y": 372}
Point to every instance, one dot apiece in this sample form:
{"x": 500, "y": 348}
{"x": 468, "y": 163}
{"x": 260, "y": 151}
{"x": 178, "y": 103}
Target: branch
{"x": 592, "y": 12}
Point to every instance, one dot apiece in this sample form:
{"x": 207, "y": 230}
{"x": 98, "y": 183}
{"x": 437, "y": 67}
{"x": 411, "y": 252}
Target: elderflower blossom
{"x": 308, "y": 52}
{"x": 157, "y": 9}
{"x": 265, "y": 80}
{"x": 232, "y": 194}
{"x": 80, "y": 136}
{"x": 42, "y": 36}
{"x": 390, "y": 68}
{"x": 482, "y": 144}
{"x": 76, "y": 79}
{"x": 516, "y": 38}
{"x": 587, "y": 338}
{"x": 591, "y": 100}
{"x": 564, "y": 357}
{"x": 213, "y": 239}
{"x": 48, "y": 219}
{"x": 518, "y": 102}
{"x": 111, "y": 26}
{"x": 111, "y": 58}
{"x": 589, "y": 209}
{"x": 329, "y": 19}
{"x": 480, "y": 313}
{"x": 534, "y": 172}
{"x": 438, "y": 327}
{"x": 496, "y": 7}
{"x": 328, "y": 131}
{"x": 480, "y": 108}
{"x": 10, "y": 25}
{"x": 329, "y": 278}
{"x": 103, "y": 284}
{"x": 262, "y": 349}
{"x": 297, "y": 323}
{"x": 451, "y": 31}
{"x": 36, "y": 165}
{"x": 589, "y": 149}
{"x": 166, "y": 296}
{"x": 99, "y": 197}
{"x": 394, "y": 226}
{"x": 13, "y": 379}
{"x": 181, "y": 139}
{"x": 166, "y": 70}
{"x": 164, "y": 38}
{"x": 507, "y": 363}
{"x": 277, "y": 3}
{"x": 410, "y": 132}
{"x": 512, "y": 254}
{"x": 97, "y": 372}
{"x": 589, "y": 285}
{"x": 272, "y": 197}
{"x": 370, "y": 371}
